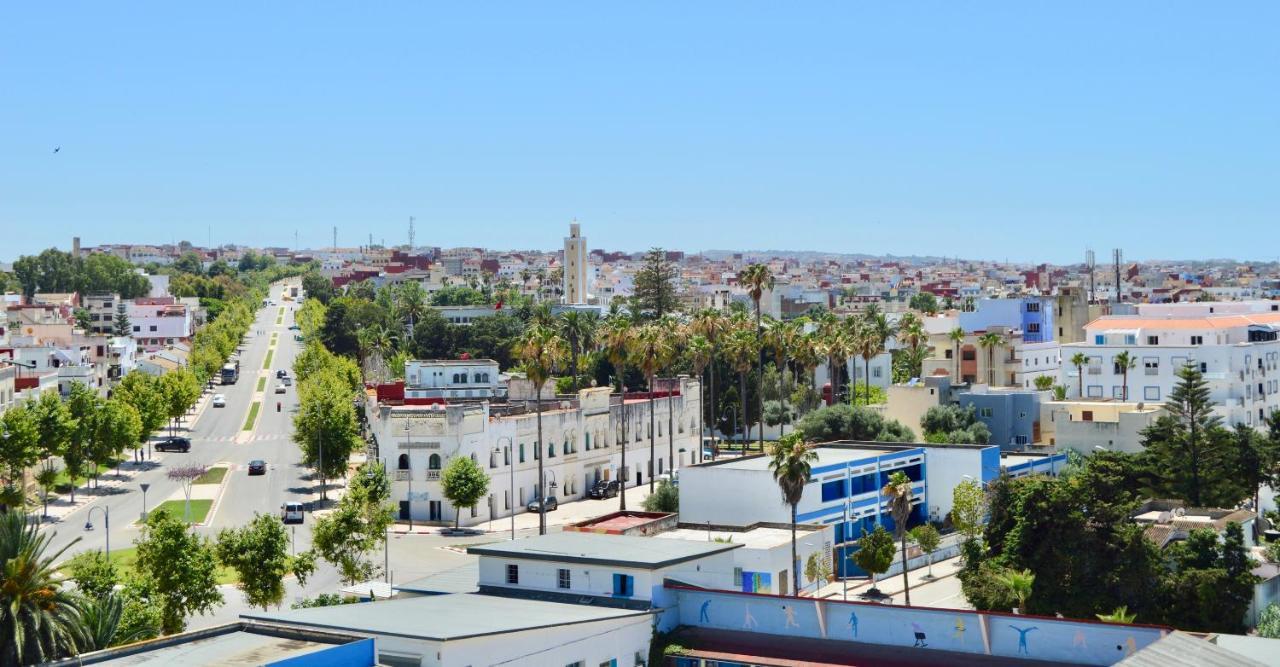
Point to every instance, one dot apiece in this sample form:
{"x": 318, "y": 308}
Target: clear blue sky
{"x": 992, "y": 131}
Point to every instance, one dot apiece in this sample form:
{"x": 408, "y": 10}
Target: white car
{"x": 291, "y": 512}
{"x": 219, "y": 401}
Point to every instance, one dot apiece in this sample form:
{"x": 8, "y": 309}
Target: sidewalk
{"x": 567, "y": 513}
{"x": 944, "y": 576}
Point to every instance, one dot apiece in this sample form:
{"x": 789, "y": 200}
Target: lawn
{"x": 266, "y": 365}
{"x": 212, "y": 476}
{"x": 125, "y": 560}
{"x": 253, "y": 416}
{"x": 199, "y": 508}
{"x": 63, "y": 485}
{"x": 262, "y": 384}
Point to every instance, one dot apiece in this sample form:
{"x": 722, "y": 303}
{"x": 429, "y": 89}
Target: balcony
{"x": 433, "y": 475}
{"x": 403, "y": 475}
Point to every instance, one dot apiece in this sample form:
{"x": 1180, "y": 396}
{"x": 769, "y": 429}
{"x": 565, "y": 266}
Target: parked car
{"x": 279, "y": 388}
{"x": 288, "y": 381}
{"x": 605, "y": 488}
{"x": 294, "y": 327}
{"x": 281, "y": 373}
{"x": 551, "y": 501}
{"x": 257, "y": 467}
{"x": 291, "y": 512}
{"x": 219, "y": 401}
{"x": 174, "y": 444}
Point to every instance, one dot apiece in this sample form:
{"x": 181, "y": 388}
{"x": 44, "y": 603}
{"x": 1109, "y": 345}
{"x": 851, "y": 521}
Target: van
{"x": 291, "y": 512}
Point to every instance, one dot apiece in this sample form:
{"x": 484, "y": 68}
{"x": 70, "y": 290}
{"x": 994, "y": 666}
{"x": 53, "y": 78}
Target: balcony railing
{"x": 433, "y": 475}
{"x": 403, "y": 475}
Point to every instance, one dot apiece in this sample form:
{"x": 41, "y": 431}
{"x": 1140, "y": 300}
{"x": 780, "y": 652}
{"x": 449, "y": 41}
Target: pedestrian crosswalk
{"x": 257, "y": 437}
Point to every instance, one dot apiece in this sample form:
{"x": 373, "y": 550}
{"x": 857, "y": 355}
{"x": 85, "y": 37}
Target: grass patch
{"x": 266, "y": 364}
{"x": 126, "y": 561}
{"x": 199, "y": 508}
{"x": 212, "y": 476}
{"x": 253, "y": 416}
{"x": 262, "y": 384}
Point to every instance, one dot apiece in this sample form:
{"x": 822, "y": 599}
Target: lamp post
{"x": 144, "y": 486}
{"x": 106, "y": 524}
{"x": 511, "y": 470}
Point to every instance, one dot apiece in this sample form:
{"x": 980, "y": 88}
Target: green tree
{"x": 143, "y": 393}
{"x": 180, "y": 568}
{"x": 19, "y": 443}
{"x": 83, "y": 319}
{"x": 326, "y": 427}
{"x": 83, "y": 404}
{"x": 189, "y": 262}
{"x": 122, "y": 326}
{"x": 1043, "y": 382}
{"x": 791, "y": 460}
{"x": 259, "y": 553}
{"x": 38, "y": 619}
{"x": 105, "y": 623}
{"x": 577, "y": 328}
{"x": 1257, "y": 457}
{"x": 990, "y": 341}
{"x": 954, "y": 424}
{"x": 116, "y": 428}
{"x": 55, "y": 424}
{"x": 1269, "y": 622}
{"x": 347, "y": 536}
{"x": 898, "y": 494}
{"x": 924, "y": 302}
{"x": 741, "y": 349}
{"x": 1079, "y": 360}
{"x": 928, "y": 538}
{"x": 1120, "y": 614}
{"x": 650, "y": 348}
{"x": 968, "y": 509}
{"x": 665, "y": 499}
{"x": 654, "y": 288}
{"x": 540, "y": 350}
{"x": 318, "y": 287}
{"x": 463, "y": 483}
{"x": 817, "y": 570}
{"x": 757, "y": 279}
{"x": 46, "y": 479}
{"x": 94, "y": 573}
{"x": 180, "y": 391}
{"x": 1125, "y": 362}
{"x": 1018, "y": 585}
{"x": 845, "y": 422}
{"x": 956, "y": 336}
{"x": 874, "y": 554}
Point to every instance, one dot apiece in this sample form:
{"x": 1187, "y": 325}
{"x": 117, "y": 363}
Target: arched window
{"x": 433, "y": 463}
{"x": 551, "y": 450}
{"x": 587, "y": 438}
{"x": 403, "y": 463}
{"x": 477, "y": 378}
{"x": 566, "y": 448}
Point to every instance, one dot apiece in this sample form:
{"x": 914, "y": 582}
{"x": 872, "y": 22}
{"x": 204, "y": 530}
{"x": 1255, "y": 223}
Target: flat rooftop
{"x": 461, "y": 579}
{"x": 826, "y": 456}
{"x": 618, "y": 522}
{"x": 598, "y": 549}
{"x": 240, "y": 647}
{"x": 443, "y": 617}
{"x": 755, "y": 538}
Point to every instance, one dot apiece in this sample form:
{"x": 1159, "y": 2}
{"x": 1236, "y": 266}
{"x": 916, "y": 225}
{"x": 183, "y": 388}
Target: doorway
{"x": 434, "y": 510}
{"x": 404, "y": 510}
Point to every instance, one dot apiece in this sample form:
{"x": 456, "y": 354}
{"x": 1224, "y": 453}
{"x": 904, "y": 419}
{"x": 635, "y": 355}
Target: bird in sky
{"x": 57, "y": 149}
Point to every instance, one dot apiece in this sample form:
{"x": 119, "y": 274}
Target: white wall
{"x": 592, "y": 643}
{"x": 713, "y": 571}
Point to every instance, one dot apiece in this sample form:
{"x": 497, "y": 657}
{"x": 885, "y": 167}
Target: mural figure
{"x": 703, "y": 616}
{"x": 791, "y": 616}
{"x": 919, "y": 631}
{"x": 1022, "y": 638}
{"x": 1078, "y": 641}
{"x": 748, "y": 621}
{"x": 853, "y": 623}
{"x": 1130, "y": 647}
{"x": 959, "y": 632}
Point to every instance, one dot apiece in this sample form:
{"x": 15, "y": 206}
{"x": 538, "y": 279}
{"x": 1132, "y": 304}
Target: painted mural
{"x": 915, "y": 628}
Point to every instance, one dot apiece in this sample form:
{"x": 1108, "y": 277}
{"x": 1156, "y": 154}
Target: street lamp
{"x": 511, "y": 469}
{"x": 144, "y": 487}
{"x": 106, "y": 524}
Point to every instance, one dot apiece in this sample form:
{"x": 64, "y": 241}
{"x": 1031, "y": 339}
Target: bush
{"x": 665, "y": 498}
{"x": 324, "y": 600}
{"x": 844, "y": 422}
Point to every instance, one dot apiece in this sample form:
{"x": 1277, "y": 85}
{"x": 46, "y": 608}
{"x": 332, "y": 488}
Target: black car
{"x": 257, "y": 467}
{"x": 551, "y": 501}
{"x": 605, "y": 488}
{"x": 281, "y": 373}
{"x": 174, "y": 445}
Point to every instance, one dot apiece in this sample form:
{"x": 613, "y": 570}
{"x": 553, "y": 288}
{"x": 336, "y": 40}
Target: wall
{"x": 592, "y": 643}
{"x": 980, "y": 633}
{"x": 947, "y": 467}
{"x": 715, "y": 571}
{"x": 356, "y": 654}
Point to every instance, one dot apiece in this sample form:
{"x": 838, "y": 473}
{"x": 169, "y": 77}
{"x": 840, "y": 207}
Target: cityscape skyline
{"x": 875, "y": 130}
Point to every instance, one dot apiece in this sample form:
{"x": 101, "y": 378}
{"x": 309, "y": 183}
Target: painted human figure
{"x": 853, "y": 623}
{"x": 959, "y": 631}
{"x": 791, "y": 616}
{"x": 919, "y": 632}
{"x": 1078, "y": 640}
{"x": 748, "y": 621}
{"x": 703, "y": 616}
{"x": 1022, "y": 638}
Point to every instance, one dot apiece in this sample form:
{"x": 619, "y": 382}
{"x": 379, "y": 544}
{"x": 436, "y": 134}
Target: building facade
{"x": 575, "y": 266}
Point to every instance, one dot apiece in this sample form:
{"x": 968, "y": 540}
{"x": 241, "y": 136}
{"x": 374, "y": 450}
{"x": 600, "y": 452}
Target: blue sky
{"x": 986, "y": 130}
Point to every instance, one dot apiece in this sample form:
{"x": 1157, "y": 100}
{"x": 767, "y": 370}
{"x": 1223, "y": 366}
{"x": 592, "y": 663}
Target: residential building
{"x": 1083, "y": 425}
{"x": 102, "y": 309}
{"x": 452, "y": 379}
{"x": 909, "y": 402}
{"x": 1033, "y": 316}
{"x": 1015, "y": 362}
{"x": 159, "y": 322}
{"x": 1012, "y": 415}
{"x": 8, "y": 388}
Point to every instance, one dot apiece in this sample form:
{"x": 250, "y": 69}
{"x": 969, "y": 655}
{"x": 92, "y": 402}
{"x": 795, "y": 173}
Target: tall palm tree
{"x": 807, "y": 354}
{"x": 1125, "y": 362}
{"x": 577, "y": 328}
{"x": 411, "y": 302}
{"x": 699, "y": 351}
{"x": 778, "y": 337}
{"x": 990, "y": 341}
{"x": 676, "y": 335}
{"x": 898, "y": 493}
{"x": 649, "y": 350}
{"x": 757, "y": 278}
{"x": 957, "y": 337}
{"x": 791, "y": 461}
{"x": 712, "y": 324}
{"x": 868, "y": 344}
{"x": 615, "y": 335}
{"x": 540, "y": 351}
{"x": 840, "y": 345}
{"x": 38, "y": 620}
{"x": 1079, "y": 359}
{"x": 741, "y": 349}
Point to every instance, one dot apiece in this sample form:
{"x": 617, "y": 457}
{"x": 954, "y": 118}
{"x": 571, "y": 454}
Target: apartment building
{"x": 1083, "y": 425}
{"x": 1239, "y": 355}
{"x": 160, "y": 322}
{"x": 445, "y": 379}
{"x": 581, "y": 444}
{"x": 1015, "y": 362}
{"x": 102, "y": 309}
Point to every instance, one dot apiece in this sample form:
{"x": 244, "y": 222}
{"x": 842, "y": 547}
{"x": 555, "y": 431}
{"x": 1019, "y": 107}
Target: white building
{"x": 443, "y": 379}
{"x": 1239, "y": 356}
{"x": 159, "y": 322}
{"x": 575, "y": 266}
{"x": 582, "y": 439}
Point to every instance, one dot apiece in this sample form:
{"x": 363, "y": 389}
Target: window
{"x": 403, "y": 462}
{"x": 1204, "y": 367}
{"x": 947, "y": 355}
{"x": 1151, "y": 393}
{"x": 562, "y": 578}
{"x": 1086, "y": 415}
{"x": 1153, "y": 340}
{"x": 985, "y": 412}
{"x": 875, "y": 372}
{"x": 1033, "y": 307}
{"x": 1151, "y": 365}
{"x": 623, "y": 585}
{"x": 522, "y": 452}
{"x": 1033, "y": 327}
{"x": 1130, "y": 339}
{"x": 433, "y": 463}
{"x": 136, "y": 328}
{"x": 153, "y": 328}
{"x": 551, "y": 450}
{"x": 1117, "y": 391}
{"x": 1094, "y": 391}
{"x": 1099, "y": 339}
{"x": 513, "y": 573}
{"x": 833, "y": 490}
{"x": 1197, "y": 340}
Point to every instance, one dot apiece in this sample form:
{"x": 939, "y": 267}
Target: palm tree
{"x": 791, "y": 460}
{"x": 101, "y": 622}
{"x": 1079, "y": 360}
{"x": 741, "y": 349}
{"x": 898, "y": 493}
{"x": 38, "y": 620}
{"x": 615, "y": 334}
{"x": 757, "y": 278}
{"x": 675, "y": 335}
{"x": 699, "y": 351}
{"x": 649, "y": 350}
{"x": 712, "y": 324}
{"x": 577, "y": 328}
{"x": 868, "y": 344}
{"x": 411, "y": 302}
{"x": 1018, "y": 584}
{"x": 780, "y": 336}
{"x": 957, "y": 337}
{"x": 990, "y": 341}
{"x": 540, "y": 350}
{"x": 806, "y": 354}
{"x": 1125, "y": 362}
